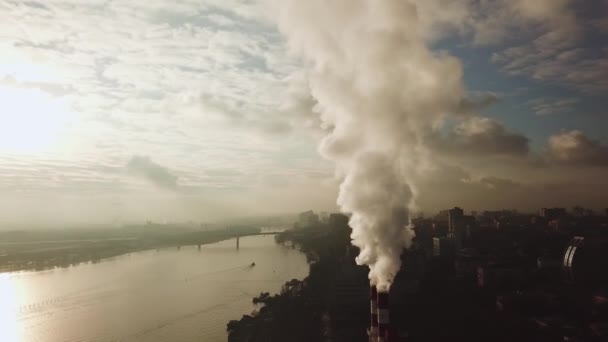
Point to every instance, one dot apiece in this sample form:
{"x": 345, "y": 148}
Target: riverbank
{"x": 178, "y": 295}
{"x": 39, "y": 250}
{"x": 302, "y": 310}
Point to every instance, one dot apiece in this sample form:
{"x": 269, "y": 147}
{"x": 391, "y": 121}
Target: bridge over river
{"x": 263, "y": 232}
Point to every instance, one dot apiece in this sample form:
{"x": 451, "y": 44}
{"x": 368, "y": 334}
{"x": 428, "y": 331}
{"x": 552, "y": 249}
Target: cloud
{"x": 199, "y": 85}
{"x": 575, "y": 148}
{"x": 448, "y": 185}
{"x": 546, "y": 40}
{"x": 601, "y": 24}
{"x": 498, "y": 184}
{"x": 544, "y": 106}
{"x": 558, "y": 51}
{"x": 585, "y": 69}
{"x": 470, "y": 106}
{"x": 484, "y": 136}
{"x": 160, "y": 51}
{"x": 494, "y": 22}
{"x": 145, "y": 168}
{"x": 170, "y": 79}
{"x": 477, "y": 188}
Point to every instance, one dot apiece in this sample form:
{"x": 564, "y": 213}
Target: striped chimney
{"x": 383, "y": 317}
{"x": 373, "y": 296}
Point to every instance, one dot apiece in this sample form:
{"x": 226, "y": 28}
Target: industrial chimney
{"x": 373, "y": 297}
{"x": 383, "y": 317}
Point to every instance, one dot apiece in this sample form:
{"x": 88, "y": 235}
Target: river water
{"x": 165, "y": 295}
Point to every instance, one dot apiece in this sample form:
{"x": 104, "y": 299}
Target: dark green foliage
{"x": 296, "y": 313}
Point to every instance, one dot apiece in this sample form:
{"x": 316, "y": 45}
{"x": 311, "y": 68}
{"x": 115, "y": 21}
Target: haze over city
{"x": 123, "y": 111}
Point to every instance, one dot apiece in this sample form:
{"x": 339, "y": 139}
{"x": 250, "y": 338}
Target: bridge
{"x": 256, "y": 234}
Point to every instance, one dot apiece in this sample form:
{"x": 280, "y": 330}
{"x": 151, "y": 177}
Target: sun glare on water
{"x": 10, "y": 330}
{"x": 31, "y": 121}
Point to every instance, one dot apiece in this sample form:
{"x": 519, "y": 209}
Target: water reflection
{"x": 164, "y": 295}
{"x": 10, "y": 331}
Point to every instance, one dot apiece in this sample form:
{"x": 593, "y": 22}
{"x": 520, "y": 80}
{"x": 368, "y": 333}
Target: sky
{"x": 125, "y": 111}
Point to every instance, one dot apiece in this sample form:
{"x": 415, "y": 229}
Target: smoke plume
{"x": 380, "y": 92}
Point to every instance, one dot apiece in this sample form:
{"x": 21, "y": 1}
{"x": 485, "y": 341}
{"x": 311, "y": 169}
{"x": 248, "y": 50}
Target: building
{"x": 443, "y": 247}
{"x": 308, "y": 219}
{"x": 337, "y": 220}
{"x": 582, "y": 212}
{"x": 454, "y": 215}
{"x": 349, "y": 303}
{"x": 423, "y": 240}
{"x": 460, "y": 226}
{"x": 466, "y": 263}
{"x": 585, "y": 261}
{"x": 553, "y": 213}
{"x": 501, "y": 276}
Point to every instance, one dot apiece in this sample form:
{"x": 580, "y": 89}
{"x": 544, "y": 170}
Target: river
{"x": 160, "y": 295}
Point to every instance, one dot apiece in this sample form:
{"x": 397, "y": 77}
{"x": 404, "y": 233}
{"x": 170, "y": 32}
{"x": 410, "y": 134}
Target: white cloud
{"x": 544, "y": 106}
{"x": 144, "y": 167}
{"x": 196, "y": 85}
{"x": 203, "y": 86}
{"x": 556, "y": 51}
{"x": 574, "y": 147}
{"x": 481, "y": 136}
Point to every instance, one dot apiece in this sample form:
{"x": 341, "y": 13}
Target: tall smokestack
{"x": 383, "y": 317}
{"x": 373, "y": 298}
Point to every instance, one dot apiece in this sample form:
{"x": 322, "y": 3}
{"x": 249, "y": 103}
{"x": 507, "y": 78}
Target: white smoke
{"x": 381, "y": 92}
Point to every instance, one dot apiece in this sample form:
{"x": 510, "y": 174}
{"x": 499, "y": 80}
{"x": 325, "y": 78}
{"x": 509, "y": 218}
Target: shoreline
{"x": 64, "y": 254}
{"x": 300, "y": 311}
{"x": 50, "y": 264}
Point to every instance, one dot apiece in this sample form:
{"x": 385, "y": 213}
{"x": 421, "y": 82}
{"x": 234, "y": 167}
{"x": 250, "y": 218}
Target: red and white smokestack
{"x": 373, "y": 299}
{"x": 383, "y": 317}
